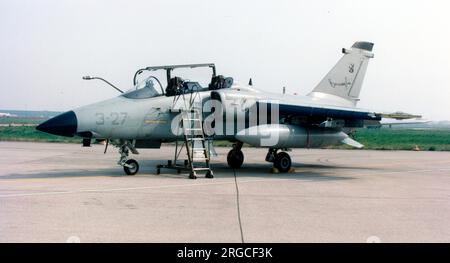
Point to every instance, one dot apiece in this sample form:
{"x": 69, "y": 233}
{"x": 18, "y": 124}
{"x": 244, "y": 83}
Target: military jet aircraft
{"x": 151, "y": 113}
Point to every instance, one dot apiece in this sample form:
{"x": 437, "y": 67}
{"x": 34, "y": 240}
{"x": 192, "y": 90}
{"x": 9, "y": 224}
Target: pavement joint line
{"x": 409, "y": 171}
{"x": 132, "y": 188}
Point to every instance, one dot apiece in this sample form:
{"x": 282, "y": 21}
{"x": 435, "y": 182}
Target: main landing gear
{"x": 281, "y": 160}
{"x": 235, "y": 157}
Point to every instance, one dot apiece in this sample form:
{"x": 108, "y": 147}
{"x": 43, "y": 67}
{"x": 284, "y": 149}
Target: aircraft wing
{"x": 319, "y": 113}
{"x": 322, "y": 116}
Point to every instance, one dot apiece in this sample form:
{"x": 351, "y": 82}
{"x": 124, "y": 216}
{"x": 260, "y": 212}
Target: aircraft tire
{"x": 134, "y": 169}
{"x": 282, "y": 162}
{"x": 235, "y": 158}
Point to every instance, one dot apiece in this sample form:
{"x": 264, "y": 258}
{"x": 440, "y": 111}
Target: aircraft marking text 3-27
{"x": 113, "y": 118}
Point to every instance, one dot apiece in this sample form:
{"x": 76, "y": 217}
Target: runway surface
{"x": 63, "y": 192}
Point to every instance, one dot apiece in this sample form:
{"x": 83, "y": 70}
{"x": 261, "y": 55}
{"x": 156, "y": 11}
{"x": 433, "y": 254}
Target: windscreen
{"x": 143, "y": 90}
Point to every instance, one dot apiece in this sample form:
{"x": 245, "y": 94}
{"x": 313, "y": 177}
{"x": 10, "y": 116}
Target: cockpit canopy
{"x": 143, "y": 90}
{"x": 176, "y": 86}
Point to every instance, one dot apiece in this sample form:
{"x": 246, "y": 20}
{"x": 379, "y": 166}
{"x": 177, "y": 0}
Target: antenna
{"x": 250, "y": 82}
{"x": 284, "y": 90}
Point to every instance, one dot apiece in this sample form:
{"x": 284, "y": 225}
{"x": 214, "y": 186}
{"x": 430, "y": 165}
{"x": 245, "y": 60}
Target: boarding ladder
{"x": 189, "y": 108}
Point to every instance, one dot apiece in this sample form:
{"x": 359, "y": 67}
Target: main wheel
{"x": 235, "y": 158}
{"x": 132, "y": 167}
{"x": 282, "y": 162}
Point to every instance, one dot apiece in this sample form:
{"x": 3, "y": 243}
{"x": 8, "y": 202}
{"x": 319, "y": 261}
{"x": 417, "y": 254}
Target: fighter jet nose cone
{"x": 64, "y": 124}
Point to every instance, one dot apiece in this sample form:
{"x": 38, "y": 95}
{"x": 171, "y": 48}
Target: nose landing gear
{"x": 130, "y": 166}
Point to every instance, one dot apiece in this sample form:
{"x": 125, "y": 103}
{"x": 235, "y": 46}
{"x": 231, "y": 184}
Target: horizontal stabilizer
{"x": 399, "y": 115}
{"x": 349, "y": 141}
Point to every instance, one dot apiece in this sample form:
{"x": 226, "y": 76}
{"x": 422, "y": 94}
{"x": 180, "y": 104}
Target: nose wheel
{"x": 131, "y": 167}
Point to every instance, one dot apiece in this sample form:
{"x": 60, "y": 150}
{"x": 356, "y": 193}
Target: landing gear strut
{"x": 235, "y": 157}
{"x": 281, "y": 160}
{"x": 130, "y": 166}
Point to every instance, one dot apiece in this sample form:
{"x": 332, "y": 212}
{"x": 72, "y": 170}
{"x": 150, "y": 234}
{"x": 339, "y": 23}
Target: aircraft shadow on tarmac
{"x": 302, "y": 171}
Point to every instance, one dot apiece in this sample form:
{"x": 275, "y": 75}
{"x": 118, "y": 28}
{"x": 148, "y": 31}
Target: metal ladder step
{"x": 197, "y": 159}
{"x": 195, "y": 139}
{"x": 199, "y": 149}
{"x": 202, "y": 169}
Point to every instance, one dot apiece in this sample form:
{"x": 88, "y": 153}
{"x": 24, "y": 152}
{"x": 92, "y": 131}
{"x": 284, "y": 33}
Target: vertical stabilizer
{"x": 344, "y": 81}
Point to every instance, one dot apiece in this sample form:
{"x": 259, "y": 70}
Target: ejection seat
{"x": 175, "y": 86}
{"x": 220, "y": 82}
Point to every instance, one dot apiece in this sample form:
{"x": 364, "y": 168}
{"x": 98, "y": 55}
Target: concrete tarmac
{"x": 63, "y": 192}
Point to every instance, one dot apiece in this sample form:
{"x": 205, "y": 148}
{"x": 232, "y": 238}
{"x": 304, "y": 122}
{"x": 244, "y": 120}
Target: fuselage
{"x": 154, "y": 118}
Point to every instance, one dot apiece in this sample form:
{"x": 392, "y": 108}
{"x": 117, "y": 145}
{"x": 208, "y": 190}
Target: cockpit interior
{"x": 175, "y": 85}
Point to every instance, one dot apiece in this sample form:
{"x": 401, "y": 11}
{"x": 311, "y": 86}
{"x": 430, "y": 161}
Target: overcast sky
{"x": 47, "y": 46}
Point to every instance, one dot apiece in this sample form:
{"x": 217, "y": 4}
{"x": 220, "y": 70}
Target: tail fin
{"x": 345, "y": 79}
